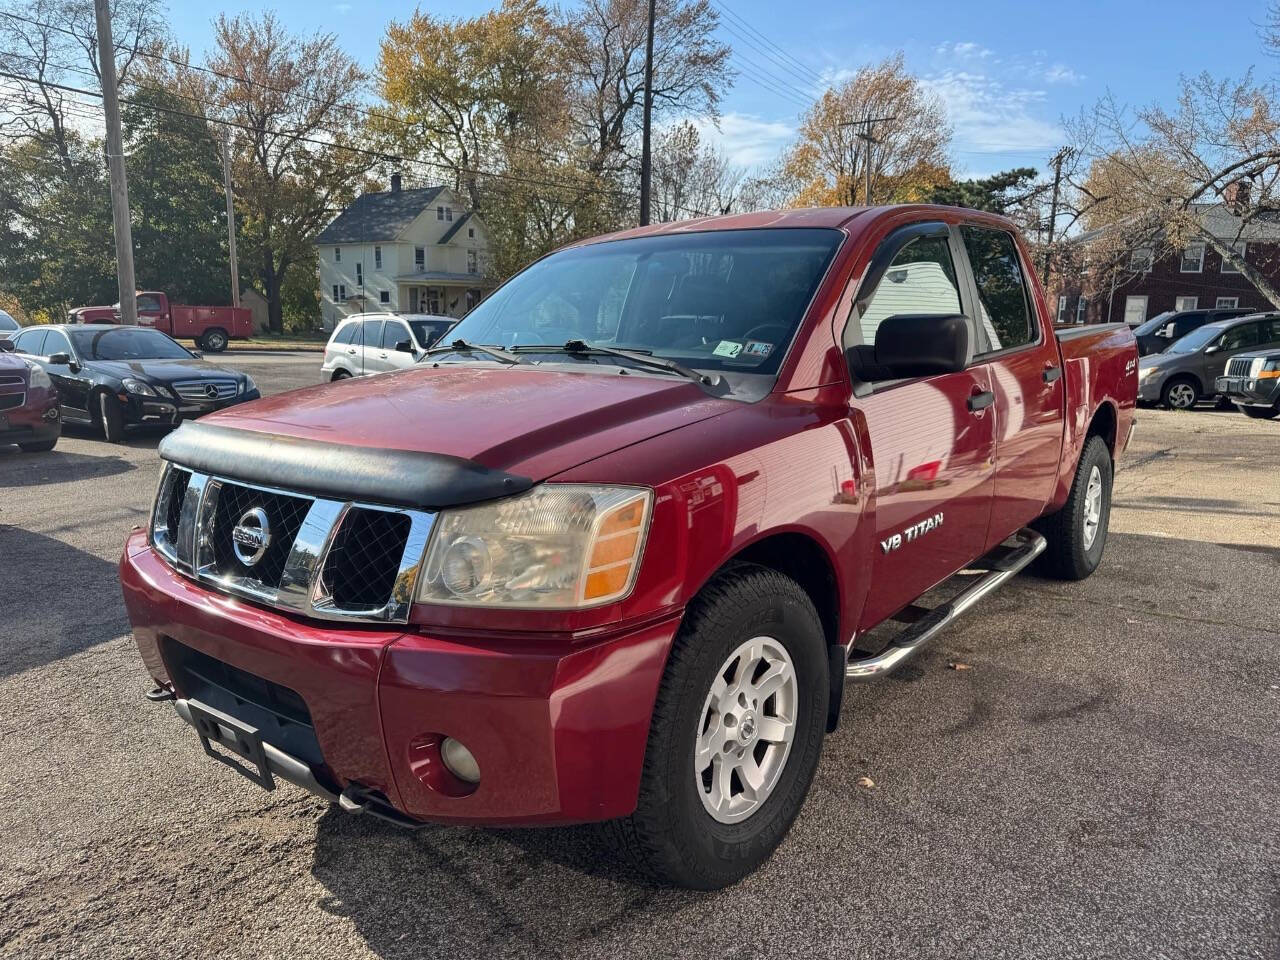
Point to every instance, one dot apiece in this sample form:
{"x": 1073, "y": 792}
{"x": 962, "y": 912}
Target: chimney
{"x": 1236, "y": 195}
{"x": 395, "y": 183}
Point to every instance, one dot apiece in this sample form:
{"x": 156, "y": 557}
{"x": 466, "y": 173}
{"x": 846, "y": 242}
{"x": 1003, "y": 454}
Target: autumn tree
{"x": 605, "y": 53}
{"x": 298, "y": 155}
{"x": 908, "y": 157}
{"x": 692, "y": 178}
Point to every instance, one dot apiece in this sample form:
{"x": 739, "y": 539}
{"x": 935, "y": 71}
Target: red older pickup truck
{"x": 212, "y": 328}
{"x": 613, "y": 552}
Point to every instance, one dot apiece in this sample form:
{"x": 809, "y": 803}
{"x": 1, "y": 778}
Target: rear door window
{"x": 1003, "y": 304}
{"x": 31, "y": 342}
{"x": 371, "y": 333}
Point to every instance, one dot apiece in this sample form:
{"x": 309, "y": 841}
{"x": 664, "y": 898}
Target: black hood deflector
{"x": 405, "y": 478}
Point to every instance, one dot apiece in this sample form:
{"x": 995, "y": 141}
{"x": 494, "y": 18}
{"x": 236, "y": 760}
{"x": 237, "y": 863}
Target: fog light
{"x": 459, "y": 761}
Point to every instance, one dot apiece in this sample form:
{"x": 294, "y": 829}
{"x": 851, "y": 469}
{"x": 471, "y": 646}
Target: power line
{"x": 817, "y": 77}
{"x": 772, "y": 61}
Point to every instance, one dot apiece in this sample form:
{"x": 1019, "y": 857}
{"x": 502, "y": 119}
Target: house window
{"x": 1240, "y": 250}
{"x": 1193, "y": 258}
{"x": 384, "y": 296}
{"x": 335, "y": 293}
{"x": 444, "y": 213}
{"x": 1082, "y": 307}
{"x": 1062, "y": 309}
{"x": 342, "y": 291}
{"x": 1186, "y": 303}
{"x": 377, "y": 258}
{"x": 1227, "y": 303}
{"x": 473, "y": 264}
{"x": 1140, "y": 260}
{"x": 337, "y": 254}
{"x": 359, "y": 273}
{"x": 1135, "y": 310}
{"x": 471, "y": 232}
{"x": 433, "y": 300}
{"x": 419, "y": 257}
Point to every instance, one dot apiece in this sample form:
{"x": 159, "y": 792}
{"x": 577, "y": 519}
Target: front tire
{"x": 1180, "y": 393}
{"x": 1261, "y": 413}
{"x": 736, "y": 734}
{"x": 110, "y": 417}
{"x": 42, "y": 446}
{"x": 1077, "y": 534}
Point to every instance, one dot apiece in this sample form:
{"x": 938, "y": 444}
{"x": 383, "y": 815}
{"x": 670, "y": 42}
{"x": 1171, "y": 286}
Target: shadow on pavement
{"x": 57, "y": 600}
{"x": 19, "y": 469}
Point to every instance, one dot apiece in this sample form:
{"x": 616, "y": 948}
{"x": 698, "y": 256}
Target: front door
{"x": 1237, "y": 339}
{"x": 1025, "y": 370}
{"x": 73, "y": 385}
{"x": 932, "y": 438}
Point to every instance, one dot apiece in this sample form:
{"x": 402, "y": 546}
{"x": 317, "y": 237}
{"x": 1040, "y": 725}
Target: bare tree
{"x": 827, "y": 165}
{"x": 691, "y": 178}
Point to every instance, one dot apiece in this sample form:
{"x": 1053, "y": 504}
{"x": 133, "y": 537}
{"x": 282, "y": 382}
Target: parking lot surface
{"x": 1102, "y": 779}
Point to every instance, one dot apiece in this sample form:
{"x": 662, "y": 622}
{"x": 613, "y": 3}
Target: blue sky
{"x": 1006, "y": 71}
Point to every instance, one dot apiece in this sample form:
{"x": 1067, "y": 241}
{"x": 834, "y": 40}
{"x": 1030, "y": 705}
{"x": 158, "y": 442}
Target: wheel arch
{"x": 1104, "y": 424}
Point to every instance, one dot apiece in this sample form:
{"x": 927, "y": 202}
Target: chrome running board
{"x": 1001, "y": 564}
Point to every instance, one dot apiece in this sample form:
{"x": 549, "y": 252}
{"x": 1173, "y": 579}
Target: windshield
{"x": 1154, "y": 324}
{"x": 126, "y": 344}
{"x": 1194, "y": 340}
{"x": 721, "y": 300}
{"x": 427, "y": 332}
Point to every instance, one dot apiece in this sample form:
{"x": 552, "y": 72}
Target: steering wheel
{"x": 782, "y": 328}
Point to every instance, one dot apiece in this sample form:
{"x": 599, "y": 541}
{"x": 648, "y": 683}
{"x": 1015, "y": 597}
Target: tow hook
{"x": 160, "y": 695}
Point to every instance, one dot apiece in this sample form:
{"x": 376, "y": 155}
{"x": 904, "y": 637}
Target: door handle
{"x": 382, "y": 356}
{"x": 980, "y": 401}
{"x": 352, "y": 351}
{"x": 1051, "y": 374}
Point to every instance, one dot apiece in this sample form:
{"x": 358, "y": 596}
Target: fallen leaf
{"x": 866, "y": 782}
{"x": 958, "y": 665}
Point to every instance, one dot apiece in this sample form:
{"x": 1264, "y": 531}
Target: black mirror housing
{"x": 922, "y": 345}
{"x": 61, "y": 359}
{"x": 404, "y": 346}
{"x": 7, "y": 346}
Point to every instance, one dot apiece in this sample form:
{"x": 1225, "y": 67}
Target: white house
{"x": 403, "y": 251}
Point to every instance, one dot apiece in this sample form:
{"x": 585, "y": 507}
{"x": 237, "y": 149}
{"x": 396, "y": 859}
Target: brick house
{"x": 1193, "y": 277}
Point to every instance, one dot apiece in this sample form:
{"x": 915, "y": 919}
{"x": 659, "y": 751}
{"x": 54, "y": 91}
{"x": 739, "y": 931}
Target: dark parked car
{"x": 7, "y": 325}
{"x": 1160, "y": 331}
{"x": 113, "y": 376}
{"x": 28, "y": 404}
{"x": 1252, "y": 383}
{"x": 1188, "y": 371}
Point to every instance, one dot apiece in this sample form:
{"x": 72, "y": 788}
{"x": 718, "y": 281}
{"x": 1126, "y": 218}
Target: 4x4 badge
{"x": 251, "y": 536}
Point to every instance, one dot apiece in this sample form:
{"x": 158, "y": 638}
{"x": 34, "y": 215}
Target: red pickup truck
{"x": 212, "y": 328}
{"x": 613, "y": 552}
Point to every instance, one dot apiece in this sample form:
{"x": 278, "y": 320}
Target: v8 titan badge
{"x": 911, "y": 533}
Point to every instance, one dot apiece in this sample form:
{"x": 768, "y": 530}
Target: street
{"x": 1072, "y": 770}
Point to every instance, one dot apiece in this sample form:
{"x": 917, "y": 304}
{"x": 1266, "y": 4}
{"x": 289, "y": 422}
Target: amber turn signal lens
{"x": 616, "y": 550}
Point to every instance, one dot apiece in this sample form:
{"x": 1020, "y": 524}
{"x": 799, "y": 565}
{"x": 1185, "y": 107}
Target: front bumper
{"x": 557, "y": 726}
{"x": 37, "y": 421}
{"x": 1250, "y": 392}
{"x": 1149, "y": 387}
{"x": 142, "y": 409}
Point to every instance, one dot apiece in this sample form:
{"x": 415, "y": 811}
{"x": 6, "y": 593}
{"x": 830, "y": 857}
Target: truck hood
{"x": 523, "y": 420}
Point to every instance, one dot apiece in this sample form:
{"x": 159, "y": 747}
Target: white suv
{"x": 368, "y": 343}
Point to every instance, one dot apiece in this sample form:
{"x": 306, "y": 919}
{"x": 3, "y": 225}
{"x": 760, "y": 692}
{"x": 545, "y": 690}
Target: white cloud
{"x": 343, "y": 8}
{"x": 1061, "y": 73}
{"x": 748, "y": 140}
{"x": 991, "y": 117}
{"x": 964, "y": 50}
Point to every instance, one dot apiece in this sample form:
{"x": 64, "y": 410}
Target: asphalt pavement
{"x": 1096, "y": 777}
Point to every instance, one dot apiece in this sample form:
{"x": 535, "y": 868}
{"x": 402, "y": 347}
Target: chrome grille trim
{"x": 195, "y": 390}
{"x": 300, "y": 590}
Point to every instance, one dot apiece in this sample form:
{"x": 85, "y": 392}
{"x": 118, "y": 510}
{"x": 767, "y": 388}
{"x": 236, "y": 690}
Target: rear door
{"x": 1025, "y": 369}
{"x": 371, "y": 333}
{"x": 931, "y": 438}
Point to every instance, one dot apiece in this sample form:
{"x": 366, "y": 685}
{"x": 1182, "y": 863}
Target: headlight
{"x": 135, "y": 386}
{"x": 558, "y": 546}
{"x": 1256, "y": 367}
{"x": 38, "y": 379}
{"x": 248, "y": 384}
{"x": 1144, "y": 372}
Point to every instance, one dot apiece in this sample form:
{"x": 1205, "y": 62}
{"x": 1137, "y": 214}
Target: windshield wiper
{"x": 581, "y": 348}
{"x": 462, "y": 346}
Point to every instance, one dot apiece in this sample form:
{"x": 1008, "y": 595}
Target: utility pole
{"x": 1058, "y": 160}
{"x": 231, "y": 218}
{"x": 866, "y": 134}
{"x": 115, "y": 163}
{"x": 646, "y": 159}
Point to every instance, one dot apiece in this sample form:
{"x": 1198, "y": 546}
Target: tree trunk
{"x": 1251, "y": 273}
{"x": 271, "y": 289}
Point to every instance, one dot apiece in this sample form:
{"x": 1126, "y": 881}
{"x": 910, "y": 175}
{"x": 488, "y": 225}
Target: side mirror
{"x": 910, "y": 345}
{"x": 1211, "y": 349}
{"x": 404, "y": 346}
{"x": 61, "y": 359}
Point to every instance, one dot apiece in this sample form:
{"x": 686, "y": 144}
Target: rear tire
{"x": 110, "y": 417}
{"x": 43, "y": 446}
{"x": 1261, "y": 413}
{"x": 1077, "y": 534}
{"x": 215, "y": 340}
{"x": 702, "y": 828}
{"x": 1180, "y": 393}
{"x": 340, "y": 375}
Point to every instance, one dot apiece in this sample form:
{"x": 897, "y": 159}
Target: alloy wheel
{"x": 1092, "y": 507}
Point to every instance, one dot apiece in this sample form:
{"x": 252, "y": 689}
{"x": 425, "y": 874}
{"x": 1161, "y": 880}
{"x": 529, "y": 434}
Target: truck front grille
{"x": 318, "y": 558}
{"x": 1239, "y": 366}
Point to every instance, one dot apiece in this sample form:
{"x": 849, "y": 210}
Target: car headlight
{"x": 39, "y": 379}
{"x": 247, "y": 384}
{"x": 558, "y": 547}
{"x": 1257, "y": 366}
{"x": 138, "y": 387}
{"x": 1144, "y": 372}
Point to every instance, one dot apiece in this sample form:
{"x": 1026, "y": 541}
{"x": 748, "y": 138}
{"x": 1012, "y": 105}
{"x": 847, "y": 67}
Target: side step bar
{"x": 1006, "y": 563}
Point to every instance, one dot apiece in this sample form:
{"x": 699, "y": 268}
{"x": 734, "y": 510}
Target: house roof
{"x": 378, "y": 216}
{"x": 457, "y": 225}
{"x": 1218, "y": 220}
